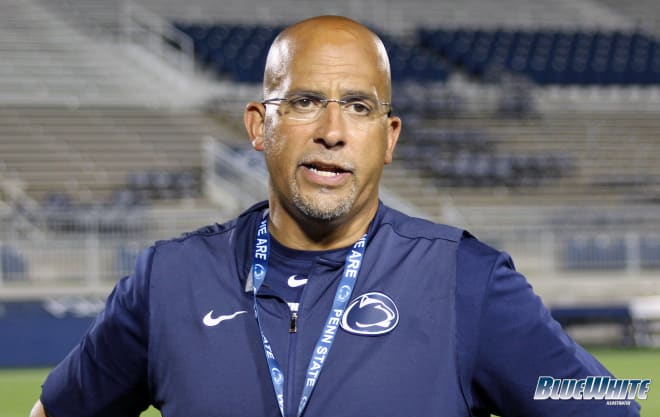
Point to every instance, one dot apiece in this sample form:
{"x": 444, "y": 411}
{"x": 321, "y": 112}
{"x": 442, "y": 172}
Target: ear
{"x": 393, "y": 131}
{"x": 253, "y": 118}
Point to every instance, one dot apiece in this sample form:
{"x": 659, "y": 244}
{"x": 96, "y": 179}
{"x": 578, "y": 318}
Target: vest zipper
{"x": 290, "y": 408}
{"x": 293, "y": 324}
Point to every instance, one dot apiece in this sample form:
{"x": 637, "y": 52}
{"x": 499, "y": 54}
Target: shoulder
{"x": 409, "y": 227}
{"x": 222, "y": 245}
{"x": 475, "y": 261}
{"x": 476, "y": 255}
{"x": 469, "y": 247}
{"x": 483, "y": 271}
{"x": 216, "y": 233}
{"x": 213, "y": 231}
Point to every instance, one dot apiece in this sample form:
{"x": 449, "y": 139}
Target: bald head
{"x": 326, "y": 39}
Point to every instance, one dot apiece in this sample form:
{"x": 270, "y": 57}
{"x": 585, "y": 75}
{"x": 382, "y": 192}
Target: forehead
{"x": 335, "y": 63}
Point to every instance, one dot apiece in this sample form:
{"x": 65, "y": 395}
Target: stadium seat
{"x": 595, "y": 252}
{"x": 650, "y": 252}
{"x": 13, "y": 264}
{"x": 232, "y": 50}
{"x": 125, "y": 256}
{"x": 549, "y": 57}
{"x": 239, "y": 52}
{"x": 162, "y": 184}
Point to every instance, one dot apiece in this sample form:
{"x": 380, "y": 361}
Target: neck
{"x": 296, "y": 231}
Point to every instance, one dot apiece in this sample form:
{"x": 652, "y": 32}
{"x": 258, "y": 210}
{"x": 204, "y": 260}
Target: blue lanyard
{"x": 325, "y": 341}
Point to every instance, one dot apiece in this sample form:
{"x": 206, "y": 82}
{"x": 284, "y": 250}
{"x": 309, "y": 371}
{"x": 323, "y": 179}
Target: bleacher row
{"x": 551, "y": 57}
{"x": 461, "y": 157}
{"x": 15, "y": 267}
{"x": 579, "y": 253}
{"x": 239, "y": 52}
{"x": 605, "y": 252}
{"x": 93, "y": 153}
{"x": 545, "y": 57}
{"x": 124, "y": 211}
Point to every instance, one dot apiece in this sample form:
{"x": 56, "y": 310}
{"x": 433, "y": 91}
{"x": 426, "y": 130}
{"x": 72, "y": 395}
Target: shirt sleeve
{"x": 517, "y": 341}
{"x": 106, "y": 373}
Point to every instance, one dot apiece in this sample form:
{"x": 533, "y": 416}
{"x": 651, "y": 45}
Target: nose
{"x": 331, "y": 127}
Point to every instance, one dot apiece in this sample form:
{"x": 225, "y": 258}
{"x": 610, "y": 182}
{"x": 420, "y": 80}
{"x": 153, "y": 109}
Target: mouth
{"x": 326, "y": 169}
{"x": 326, "y": 174}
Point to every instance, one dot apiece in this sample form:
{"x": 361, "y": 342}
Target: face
{"x": 330, "y": 167}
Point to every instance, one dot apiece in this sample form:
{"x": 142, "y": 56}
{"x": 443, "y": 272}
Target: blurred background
{"x": 533, "y": 124}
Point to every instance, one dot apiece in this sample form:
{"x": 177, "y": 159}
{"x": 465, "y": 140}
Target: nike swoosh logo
{"x": 210, "y": 321}
{"x": 296, "y": 282}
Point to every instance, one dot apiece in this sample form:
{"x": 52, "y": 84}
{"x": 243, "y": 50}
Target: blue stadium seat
{"x": 549, "y": 57}
{"x": 239, "y": 52}
{"x": 466, "y": 157}
{"x": 650, "y": 252}
{"x": 544, "y": 56}
{"x": 232, "y": 50}
{"x": 412, "y": 62}
{"x": 161, "y": 184}
{"x": 13, "y": 263}
{"x": 125, "y": 256}
{"x": 595, "y": 252}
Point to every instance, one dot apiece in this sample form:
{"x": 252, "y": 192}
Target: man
{"x": 322, "y": 302}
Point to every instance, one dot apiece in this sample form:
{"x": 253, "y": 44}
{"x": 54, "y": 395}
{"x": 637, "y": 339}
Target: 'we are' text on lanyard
{"x": 325, "y": 341}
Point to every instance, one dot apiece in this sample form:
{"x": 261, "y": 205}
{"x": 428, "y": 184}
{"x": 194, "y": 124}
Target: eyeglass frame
{"x": 324, "y": 101}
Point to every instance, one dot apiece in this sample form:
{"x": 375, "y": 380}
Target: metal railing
{"x": 141, "y": 27}
{"x": 232, "y": 176}
{"x": 92, "y": 262}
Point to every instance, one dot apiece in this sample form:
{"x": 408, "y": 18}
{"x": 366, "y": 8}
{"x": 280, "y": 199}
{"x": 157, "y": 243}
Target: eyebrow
{"x": 320, "y": 94}
{"x": 302, "y": 92}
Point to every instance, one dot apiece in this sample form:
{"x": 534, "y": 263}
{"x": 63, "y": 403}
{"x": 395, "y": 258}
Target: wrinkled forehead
{"x": 328, "y": 61}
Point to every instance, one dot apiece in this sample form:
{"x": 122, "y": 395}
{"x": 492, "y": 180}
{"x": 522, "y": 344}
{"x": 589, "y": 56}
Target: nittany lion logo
{"x": 258, "y": 271}
{"x": 370, "y": 314}
{"x": 277, "y": 376}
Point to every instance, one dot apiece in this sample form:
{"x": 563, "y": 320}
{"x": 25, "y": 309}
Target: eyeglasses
{"x": 308, "y": 108}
